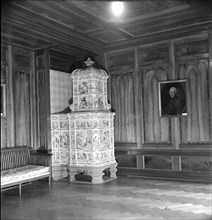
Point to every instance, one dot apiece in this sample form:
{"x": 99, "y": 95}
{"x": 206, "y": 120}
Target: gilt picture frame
{"x": 3, "y": 100}
{"x": 173, "y": 98}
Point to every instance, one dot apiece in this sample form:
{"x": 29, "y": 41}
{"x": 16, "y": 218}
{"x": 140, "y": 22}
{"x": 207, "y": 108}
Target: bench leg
{"x": 19, "y": 189}
{"x": 50, "y": 180}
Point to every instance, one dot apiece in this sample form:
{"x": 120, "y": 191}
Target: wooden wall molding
{"x": 165, "y": 152}
{"x": 125, "y": 144}
{"x": 196, "y": 146}
{"x": 174, "y": 175}
{"x": 157, "y": 146}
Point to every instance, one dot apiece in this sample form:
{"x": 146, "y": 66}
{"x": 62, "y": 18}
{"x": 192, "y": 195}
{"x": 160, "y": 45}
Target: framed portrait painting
{"x": 172, "y": 98}
{"x": 3, "y": 100}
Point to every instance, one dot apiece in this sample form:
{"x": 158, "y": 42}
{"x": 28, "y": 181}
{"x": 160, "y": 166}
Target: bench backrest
{"x": 13, "y": 157}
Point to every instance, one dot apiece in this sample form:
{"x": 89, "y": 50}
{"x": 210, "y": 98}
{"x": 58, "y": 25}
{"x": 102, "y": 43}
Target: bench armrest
{"x": 43, "y": 159}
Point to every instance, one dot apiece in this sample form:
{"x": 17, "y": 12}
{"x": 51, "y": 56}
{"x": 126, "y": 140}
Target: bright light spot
{"x": 117, "y": 8}
{"x": 184, "y": 113}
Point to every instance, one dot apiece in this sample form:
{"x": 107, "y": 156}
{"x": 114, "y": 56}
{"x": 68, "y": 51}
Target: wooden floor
{"x": 124, "y": 198}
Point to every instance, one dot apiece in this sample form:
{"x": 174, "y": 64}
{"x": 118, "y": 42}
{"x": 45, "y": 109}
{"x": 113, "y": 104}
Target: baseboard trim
{"x": 164, "y": 174}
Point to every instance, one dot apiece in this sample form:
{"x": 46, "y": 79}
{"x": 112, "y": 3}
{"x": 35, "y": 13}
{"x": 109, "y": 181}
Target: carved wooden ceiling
{"x": 81, "y": 27}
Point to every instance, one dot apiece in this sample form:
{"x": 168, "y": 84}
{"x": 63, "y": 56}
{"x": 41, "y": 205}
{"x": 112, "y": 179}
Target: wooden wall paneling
{"x": 47, "y": 100}
{"x": 100, "y": 61}
{"x": 33, "y": 104}
{"x": 114, "y": 102}
{"x": 184, "y": 151}
{"x": 176, "y": 161}
{"x": 138, "y": 110}
{"x": 203, "y": 105}
{"x": 3, "y": 80}
{"x": 3, "y": 62}
{"x": 192, "y": 57}
{"x": 122, "y": 97}
{"x": 154, "y": 67}
{"x": 21, "y": 82}
{"x": 210, "y": 84}
{"x": 196, "y": 147}
{"x": 156, "y": 128}
{"x": 123, "y": 104}
{"x": 193, "y": 152}
{"x": 10, "y": 100}
{"x": 196, "y": 126}
{"x": 153, "y": 54}
{"x": 184, "y": 132}
{"x": 130, "y": 109}
{"x": 179, "y": 175}
{"x": 60, "y": 61}
{"x": 59, "y": 65}
{"x": 192, "y": 48}
{"x": 124, "y": 159}
{"x": 158, "y": 146}
{"x": 43, "y": 98}
{"x": 121, "y": 59}
{"x": 106, "y": 60}
{"x": 22, "y": 108}
{"x": 41, "y": 104}
{"x": 3, "y": 132}
{"x": 121, "y": 67}
{"x": 138, "y": 101}
{"x": 39, "y": 61}
{"x": 37, "y": 85}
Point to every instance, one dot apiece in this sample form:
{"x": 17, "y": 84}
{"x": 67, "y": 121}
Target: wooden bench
{"x": 21, "y": 165}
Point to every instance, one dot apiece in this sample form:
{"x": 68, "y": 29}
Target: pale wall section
{"x": 60, "y": 90}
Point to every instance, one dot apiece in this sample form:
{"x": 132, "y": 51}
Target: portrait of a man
{"x": 172, "y": 98}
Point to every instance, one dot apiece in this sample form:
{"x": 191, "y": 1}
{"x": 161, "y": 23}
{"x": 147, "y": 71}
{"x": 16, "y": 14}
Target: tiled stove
{"x": 91, "y": 125}
{"x": 84, "y": 138}
{"x": 60, "y": 145}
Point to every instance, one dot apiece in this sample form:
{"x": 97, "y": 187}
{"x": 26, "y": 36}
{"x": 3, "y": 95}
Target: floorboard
{"x": 123, "y": 199}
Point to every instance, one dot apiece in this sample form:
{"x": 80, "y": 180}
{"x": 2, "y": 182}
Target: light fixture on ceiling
{"x": 117, "y": 8}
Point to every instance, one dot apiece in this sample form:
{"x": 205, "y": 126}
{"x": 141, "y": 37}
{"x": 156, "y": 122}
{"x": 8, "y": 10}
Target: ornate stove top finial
{"x": 89, "y": 62}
